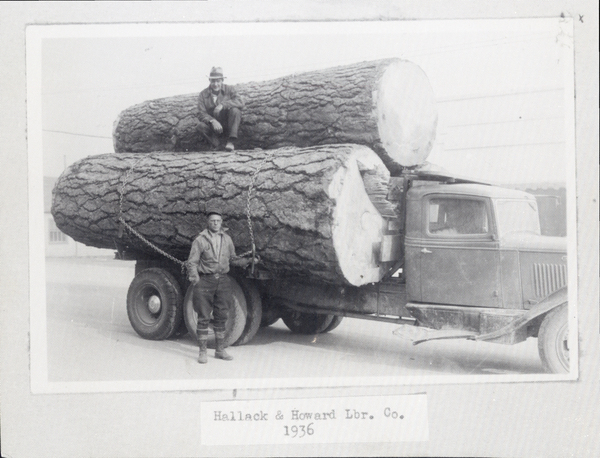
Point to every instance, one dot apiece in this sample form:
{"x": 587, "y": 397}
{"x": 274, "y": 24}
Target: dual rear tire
{"x": 157, "y": 308}
{"x": 310, "y": 323}
{"x": 297, "y": 322}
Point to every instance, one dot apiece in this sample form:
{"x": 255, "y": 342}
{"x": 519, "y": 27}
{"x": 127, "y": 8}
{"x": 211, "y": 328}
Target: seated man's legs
{"x": 230, "y": 119}
{"x": 207, "y": 132}
{"x": 234, "y": 118}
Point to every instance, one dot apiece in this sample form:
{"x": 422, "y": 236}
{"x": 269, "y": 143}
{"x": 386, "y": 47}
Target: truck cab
{"x": 476, "y": 264}
{"x": 480, "y": 246}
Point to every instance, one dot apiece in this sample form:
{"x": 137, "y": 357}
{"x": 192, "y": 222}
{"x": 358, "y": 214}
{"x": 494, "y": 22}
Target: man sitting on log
{"x": 207, "y": 266}
{"x": 219, "y": 111}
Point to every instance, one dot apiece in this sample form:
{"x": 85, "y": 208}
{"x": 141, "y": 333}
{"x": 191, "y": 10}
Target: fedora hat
{"x": 216, "y": 73}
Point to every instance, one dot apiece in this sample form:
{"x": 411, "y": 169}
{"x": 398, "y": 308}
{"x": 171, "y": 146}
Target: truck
{"x": 463, "y": 259}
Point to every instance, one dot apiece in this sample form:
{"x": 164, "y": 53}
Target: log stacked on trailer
{"x": 311, "y": 215}
{"x": 387, "y": 105}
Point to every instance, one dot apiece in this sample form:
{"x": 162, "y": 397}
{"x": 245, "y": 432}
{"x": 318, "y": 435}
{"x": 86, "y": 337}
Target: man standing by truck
{"x": 219, "y": 111}
{"x": 208, "y": 265}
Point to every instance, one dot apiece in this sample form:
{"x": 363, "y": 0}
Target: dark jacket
{"x": 228, "y": 97}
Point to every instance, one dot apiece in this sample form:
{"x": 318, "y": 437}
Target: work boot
{"x": 202, "y": 355}
{"x": 220, "y": 352}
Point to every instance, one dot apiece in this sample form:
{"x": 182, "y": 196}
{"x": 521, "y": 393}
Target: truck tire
{"x": 154, "y": 304}
{"x": 553, "y": 341}
{"x": 306, "y": 323}
{"x": 269, "y": 318}
{"x": 271, "y": 312}
{"x": 335, "y": 322}
{"x": 254, "y": 308}
{"x": 235, "y": 323}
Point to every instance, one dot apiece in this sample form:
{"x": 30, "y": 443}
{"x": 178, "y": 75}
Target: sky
{"x": 90, "y": 73}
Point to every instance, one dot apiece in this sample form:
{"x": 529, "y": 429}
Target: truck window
{"x": 517, "y": 216}
{"x": 457, "y": 216}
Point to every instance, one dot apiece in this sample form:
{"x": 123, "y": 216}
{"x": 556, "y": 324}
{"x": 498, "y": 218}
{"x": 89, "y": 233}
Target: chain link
{"x": 122, "y": 190}
{"x": 164, "y": 253}
{"x": 151, "y": 245}
{"x": 250, "y": 189}
{"x": 132, "y": 230}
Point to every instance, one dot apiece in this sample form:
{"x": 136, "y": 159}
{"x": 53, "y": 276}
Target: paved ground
{"x": 90, "y": 339}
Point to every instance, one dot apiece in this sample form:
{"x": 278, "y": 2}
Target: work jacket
{"x": 205, "y": 258}
{"x": 228, "y": 97}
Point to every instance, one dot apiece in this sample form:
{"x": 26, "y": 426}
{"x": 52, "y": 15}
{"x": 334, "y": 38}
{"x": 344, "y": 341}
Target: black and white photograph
{"x": 303, "y": 233}
{"x": 396, "y": 204}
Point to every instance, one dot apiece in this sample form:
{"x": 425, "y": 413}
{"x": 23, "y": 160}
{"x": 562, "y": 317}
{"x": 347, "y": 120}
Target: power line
{"x": 481, "y": 44}
{"x": 504, "y": 94}
{"x": 75, "y": 134}
{"x": 507, "y": 121}
{"x": 120, "y": 88}
{"x": 514, "y": 145}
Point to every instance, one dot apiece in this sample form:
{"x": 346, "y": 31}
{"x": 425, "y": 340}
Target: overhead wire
{"x": 75, "y": 133}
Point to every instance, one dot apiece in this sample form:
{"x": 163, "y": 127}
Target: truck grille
{"x": 548, "y": 278}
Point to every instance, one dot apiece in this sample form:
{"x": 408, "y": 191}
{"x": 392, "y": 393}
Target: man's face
{"x": 216, "y": 84}
{"x": 214, "y": 223}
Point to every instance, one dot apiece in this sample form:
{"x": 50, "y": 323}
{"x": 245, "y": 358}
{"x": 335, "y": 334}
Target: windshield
{"x": 517, "y": 216}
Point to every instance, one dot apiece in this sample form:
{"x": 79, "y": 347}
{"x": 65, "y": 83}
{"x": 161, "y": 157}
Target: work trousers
{"x": 230, "y": 119}
{"x": 212, "y": 293}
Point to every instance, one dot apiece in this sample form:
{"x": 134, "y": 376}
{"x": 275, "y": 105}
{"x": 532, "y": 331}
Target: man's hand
{"x": 216, "y": 125}
{"x": 249, "y": 261}
{"x": 194, "y": 279}
{"x": 218, "y": 109}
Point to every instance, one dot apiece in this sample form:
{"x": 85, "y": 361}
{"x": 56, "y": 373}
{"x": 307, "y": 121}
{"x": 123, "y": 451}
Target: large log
{"x": 310, "y": 212}
{"x": 387, "y": 105}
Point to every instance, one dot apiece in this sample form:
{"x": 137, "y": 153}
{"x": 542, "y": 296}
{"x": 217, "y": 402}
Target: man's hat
{"x": 216, "y": 73}
{"x": 213, "y": 211}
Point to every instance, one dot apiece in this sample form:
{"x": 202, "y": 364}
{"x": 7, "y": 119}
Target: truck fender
{"x": 551, "y": 302}
{"x": 554, "y": 300}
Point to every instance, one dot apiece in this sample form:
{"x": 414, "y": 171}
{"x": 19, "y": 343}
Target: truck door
{"x": 459, "y": 254}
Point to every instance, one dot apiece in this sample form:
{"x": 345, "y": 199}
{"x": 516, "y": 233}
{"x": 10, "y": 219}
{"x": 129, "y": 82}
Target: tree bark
{"x": 310, "y": 213}
{"x": 387, "y": 105}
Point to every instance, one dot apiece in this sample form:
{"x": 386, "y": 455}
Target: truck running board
{"x": 420, "y": 334}
{"x": 345, "y": 313}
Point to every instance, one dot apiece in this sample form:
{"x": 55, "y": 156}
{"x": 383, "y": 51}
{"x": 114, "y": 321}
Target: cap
{"x": 213, "y": 211}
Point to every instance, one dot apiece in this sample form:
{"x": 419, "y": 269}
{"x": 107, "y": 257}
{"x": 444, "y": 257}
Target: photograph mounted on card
{"x": 217, "y": 206}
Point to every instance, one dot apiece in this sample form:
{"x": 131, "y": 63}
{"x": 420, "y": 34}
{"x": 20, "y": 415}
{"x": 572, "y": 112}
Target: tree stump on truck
{"x": 310, "y": 211}
{"x": 387, "y": 105}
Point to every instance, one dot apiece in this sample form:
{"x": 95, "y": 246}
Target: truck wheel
{"x": 306, "y": 323}
{"x": 235, "y": 323}
{"x": 269, "y": 318}
{"x": 154, "y": 304}
{"x": 553, "y": 342}
{"x": 335, "y": 322}
{"x": 270, "y": 312}
{"x": 254, "y": 307}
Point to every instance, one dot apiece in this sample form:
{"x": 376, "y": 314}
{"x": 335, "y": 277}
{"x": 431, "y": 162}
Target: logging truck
{"x": 347, "y": 218}
{"x": 462, "y": 260}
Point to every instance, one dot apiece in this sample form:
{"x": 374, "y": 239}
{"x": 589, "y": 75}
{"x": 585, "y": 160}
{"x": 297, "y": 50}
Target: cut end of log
{"x": 358, "y": 226}
{"x": 406, "y": 113}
